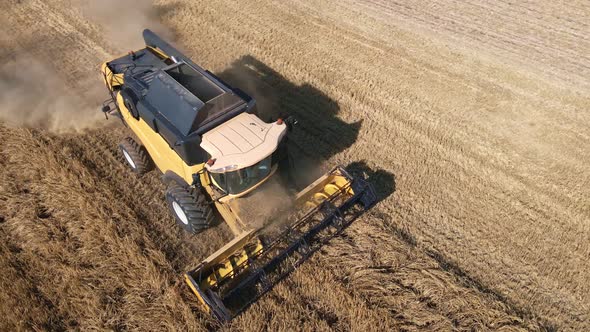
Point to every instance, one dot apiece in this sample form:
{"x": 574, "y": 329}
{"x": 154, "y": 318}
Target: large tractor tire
{"x": 136, "y": 156}
{"x": 189, "y": 207}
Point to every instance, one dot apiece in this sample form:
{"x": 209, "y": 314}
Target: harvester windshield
{"x": 237, "y": 181}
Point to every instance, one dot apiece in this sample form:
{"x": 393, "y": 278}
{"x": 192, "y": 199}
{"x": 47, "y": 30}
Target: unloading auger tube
{"x": 235, "y": 276}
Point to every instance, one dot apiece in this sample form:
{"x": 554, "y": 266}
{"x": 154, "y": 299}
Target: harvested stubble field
{"x": 470, "y": 118}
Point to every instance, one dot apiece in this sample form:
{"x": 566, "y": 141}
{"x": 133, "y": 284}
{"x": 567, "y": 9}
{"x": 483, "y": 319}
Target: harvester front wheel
{"x": 189, "y": 207}
{"x": 136, "y": 156}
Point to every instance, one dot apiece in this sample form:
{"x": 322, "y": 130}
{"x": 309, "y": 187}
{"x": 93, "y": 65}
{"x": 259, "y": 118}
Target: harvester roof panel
{"x": 242, "y": 141}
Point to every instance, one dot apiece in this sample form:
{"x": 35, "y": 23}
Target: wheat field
{"x": 469, "y": 118}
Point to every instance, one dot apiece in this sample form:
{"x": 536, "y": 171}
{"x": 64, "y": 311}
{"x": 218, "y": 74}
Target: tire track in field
{"x": 508, "y": 35}
{"x": 516, "y": 48}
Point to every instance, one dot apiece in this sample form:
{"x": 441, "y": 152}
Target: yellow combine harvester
{"x": 212, "y": 148}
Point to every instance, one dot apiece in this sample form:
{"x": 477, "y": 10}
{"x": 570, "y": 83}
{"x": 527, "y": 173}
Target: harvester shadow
{"x": 319, "y": 133}
{"x": 382, "y": 181}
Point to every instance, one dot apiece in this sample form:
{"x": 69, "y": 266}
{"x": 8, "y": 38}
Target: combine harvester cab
{"x": 235, "y": 276}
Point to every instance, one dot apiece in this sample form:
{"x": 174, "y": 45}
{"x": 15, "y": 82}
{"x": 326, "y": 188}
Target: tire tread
{"x": 138, "y": 154}
{"x": 194, "y": 205}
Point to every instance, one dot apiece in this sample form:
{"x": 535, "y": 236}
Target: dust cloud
{"x": 269, "y": 206}
{"x": 122, "y": 22}
{"x": 32, "y": 95}
{"x": 35, "y": 94}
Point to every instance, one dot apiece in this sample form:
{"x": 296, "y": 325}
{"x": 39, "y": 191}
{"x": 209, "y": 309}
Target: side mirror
{"x": 106, "y": 108}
